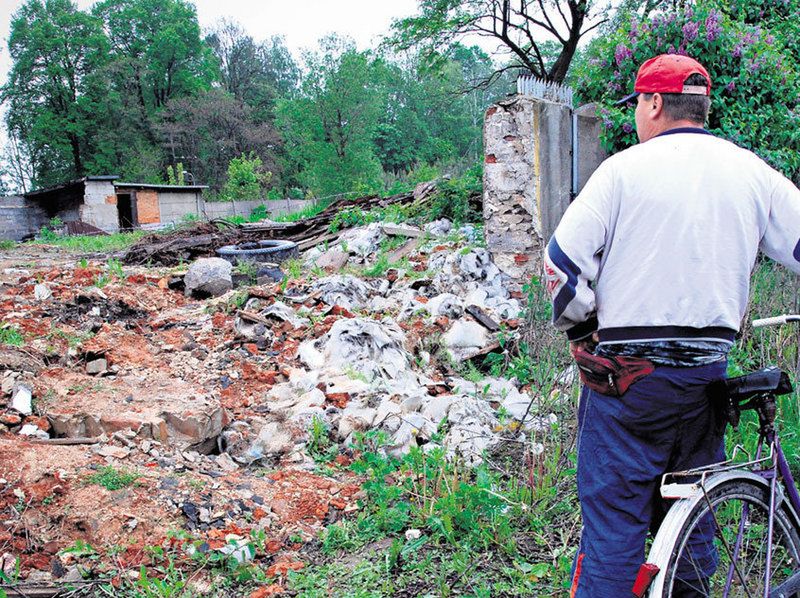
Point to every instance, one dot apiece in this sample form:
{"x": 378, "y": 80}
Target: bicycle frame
{"x": 779, "y": 469}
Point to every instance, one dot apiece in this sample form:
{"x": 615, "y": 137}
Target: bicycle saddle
{"x": 770, "y": 380}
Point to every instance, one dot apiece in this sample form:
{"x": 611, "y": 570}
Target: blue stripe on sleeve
{"x": 567, "y": 266}
{"x": 796, "y": 253}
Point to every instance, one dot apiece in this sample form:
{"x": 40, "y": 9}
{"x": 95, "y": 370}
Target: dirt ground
{"x": 174, "y": 376}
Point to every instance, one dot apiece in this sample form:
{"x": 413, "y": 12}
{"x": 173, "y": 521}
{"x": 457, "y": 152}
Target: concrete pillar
{"x": 527, "y": 181}
{"x": 100, "y": 205}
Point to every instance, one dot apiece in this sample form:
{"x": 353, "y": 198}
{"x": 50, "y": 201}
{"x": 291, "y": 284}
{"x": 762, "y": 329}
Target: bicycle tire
{"x": 697, "y": 566}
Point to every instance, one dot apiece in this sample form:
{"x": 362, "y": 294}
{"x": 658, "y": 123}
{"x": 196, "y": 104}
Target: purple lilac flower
{"x": 689, "y": 12}
{"x": 769, "y": 40}
{"x": 633, "y": 34}
{"x": 731, "y": 86}
{"x": 627, "y": 127}
{"x": 713, "y": 28}
{"x": 608, "y": 124}
{"x": 737, "y": 51}
{"x": 690, "y": 31}
{"x": 622, "y": 53}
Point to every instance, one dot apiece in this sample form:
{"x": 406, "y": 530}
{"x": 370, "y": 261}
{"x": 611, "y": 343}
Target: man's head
{"x": 671, "y": 91}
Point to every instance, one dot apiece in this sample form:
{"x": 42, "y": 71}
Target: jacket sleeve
{"x": 781, "y": 240}
{"x": 572, "y": 257}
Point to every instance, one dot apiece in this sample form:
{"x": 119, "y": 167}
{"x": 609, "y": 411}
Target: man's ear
{"x": 657, "y": 106}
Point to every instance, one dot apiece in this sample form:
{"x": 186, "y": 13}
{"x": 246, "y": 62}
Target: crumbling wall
{"x": 20, "y": 217}
{"x": 100, "y": 205}
{"x": 527, "y": 177}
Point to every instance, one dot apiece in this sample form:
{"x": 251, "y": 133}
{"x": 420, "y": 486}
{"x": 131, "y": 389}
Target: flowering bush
{"x": 754, "y": 69}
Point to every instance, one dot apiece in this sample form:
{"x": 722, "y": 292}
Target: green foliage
{"x": 9, "y": 335}
{"x": 54, "y": 93}
{"x": 112, "y": 479}
{"x": 328, "y": 129}
{"x": 175, "y": 175}
{"x": 755, "y": 74}
{"x": 246, "y": 178}
{"x": 355, "y": 216}
{"x": 6, "y": 244}
{"x": 452, "y": 197}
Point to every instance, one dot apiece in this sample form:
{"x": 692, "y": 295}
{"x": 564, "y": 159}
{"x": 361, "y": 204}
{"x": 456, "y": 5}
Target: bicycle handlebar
{"x": 776, "y": 320}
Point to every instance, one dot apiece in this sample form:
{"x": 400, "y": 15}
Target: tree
{"x": 247, "y": 178}
{"x": 208, "y": 130}
{"x": 53, "y": 92}
{"x": 157, "y": 53}
{"x": 754, "y": 99}
{"x": 328, "y": 130}
{"x": 517, "y": 25}
{"x": 256, "y": 74}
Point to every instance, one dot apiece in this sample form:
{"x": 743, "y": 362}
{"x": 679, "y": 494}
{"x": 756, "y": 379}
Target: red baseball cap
{"x": 667, "y": 73}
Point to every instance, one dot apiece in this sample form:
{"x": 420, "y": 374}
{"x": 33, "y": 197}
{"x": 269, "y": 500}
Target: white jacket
{"x": 660, "y": 243}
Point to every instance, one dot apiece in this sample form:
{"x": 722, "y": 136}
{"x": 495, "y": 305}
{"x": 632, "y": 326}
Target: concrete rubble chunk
{"x": 343, "y": 290}
{"x": 363, "y": 240}
{"x": 372, "y": 348}
{"x": 281, "y": 311}
{"x": 438, "y": 228}
{"x": 464, "y": 334}
{"x": 356, "y": 418}
{"x": 208, "y": 277}
{"x": 401, "y": 230}
{"x": 42, "y": 292}
{"x": 273, "y": 439}
{"x": 9, "y": 380}
{"x": 33, "y": 431}
{"x": 96, "y": 366}
{"x": 22, "y": 399}
{"x": 447, "y": 305}
{"x": 332, "y": 260}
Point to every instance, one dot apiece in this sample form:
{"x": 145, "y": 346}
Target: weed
{"x": 247, "y": 268}
{"x": 294, "y": 268}
{"x": 111, "y": 478}
{"x": 83, "y": 263}
{"x": 9, "y": 335}
{"x": 379, "y": 267}
{"x": 6, "y": 244}
{"x": 320, "y": 446}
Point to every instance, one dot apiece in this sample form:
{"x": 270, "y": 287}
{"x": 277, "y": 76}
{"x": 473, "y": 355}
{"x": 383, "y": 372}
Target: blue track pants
{"x": 663, "y": 423}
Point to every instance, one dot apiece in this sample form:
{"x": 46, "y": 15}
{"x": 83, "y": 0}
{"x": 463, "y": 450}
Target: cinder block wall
{"x": 20, "y": 218}
{"x": 527, "y": 180}
{"x": 100, "y": 205}
{"x": 175, "y": 205}
{"x": 225, "y": 209}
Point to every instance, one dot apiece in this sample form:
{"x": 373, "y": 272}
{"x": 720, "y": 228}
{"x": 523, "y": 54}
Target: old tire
{"x": 272, "y": 251}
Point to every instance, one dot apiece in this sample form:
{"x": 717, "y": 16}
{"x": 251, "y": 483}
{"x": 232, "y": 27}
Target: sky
{"x": 301, "y": 22}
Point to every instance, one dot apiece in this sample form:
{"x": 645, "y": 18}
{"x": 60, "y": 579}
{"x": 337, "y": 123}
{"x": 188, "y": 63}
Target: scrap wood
{"x": 68, "y": 441}
{"x": 482, "y": 318}
{"x": 204, "y": 239}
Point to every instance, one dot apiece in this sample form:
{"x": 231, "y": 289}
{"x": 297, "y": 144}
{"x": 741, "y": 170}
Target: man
{"x": 653, "y": 260}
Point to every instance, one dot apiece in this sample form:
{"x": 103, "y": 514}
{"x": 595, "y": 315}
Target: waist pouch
{"x": 611, "y": 376}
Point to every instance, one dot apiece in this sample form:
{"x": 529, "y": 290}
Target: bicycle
{"x": 733, "y": 529}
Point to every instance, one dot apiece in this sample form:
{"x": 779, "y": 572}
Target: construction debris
{"x": 192, "y": 390}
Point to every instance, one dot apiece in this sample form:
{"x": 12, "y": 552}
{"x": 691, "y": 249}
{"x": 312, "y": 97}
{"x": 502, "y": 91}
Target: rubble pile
{"x": 197, "y": 395}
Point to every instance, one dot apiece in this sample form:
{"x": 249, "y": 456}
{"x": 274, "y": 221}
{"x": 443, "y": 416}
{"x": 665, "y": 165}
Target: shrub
{"x": 754, "y": 100}
{"x": 246, "y": 178}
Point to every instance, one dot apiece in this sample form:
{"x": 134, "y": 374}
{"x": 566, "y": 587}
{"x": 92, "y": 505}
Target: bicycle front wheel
{"x": 721, "y": 548}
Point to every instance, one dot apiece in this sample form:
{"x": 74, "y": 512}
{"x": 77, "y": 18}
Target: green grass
{"x": 111, "y": 478}
{"x": 93, "y": 244}
{"x": 11, "y": 336}
{"x": 6, "y": 244}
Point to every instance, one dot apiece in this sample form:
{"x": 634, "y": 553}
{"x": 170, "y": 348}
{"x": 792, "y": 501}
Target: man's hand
{"x": 587, "y": 344}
